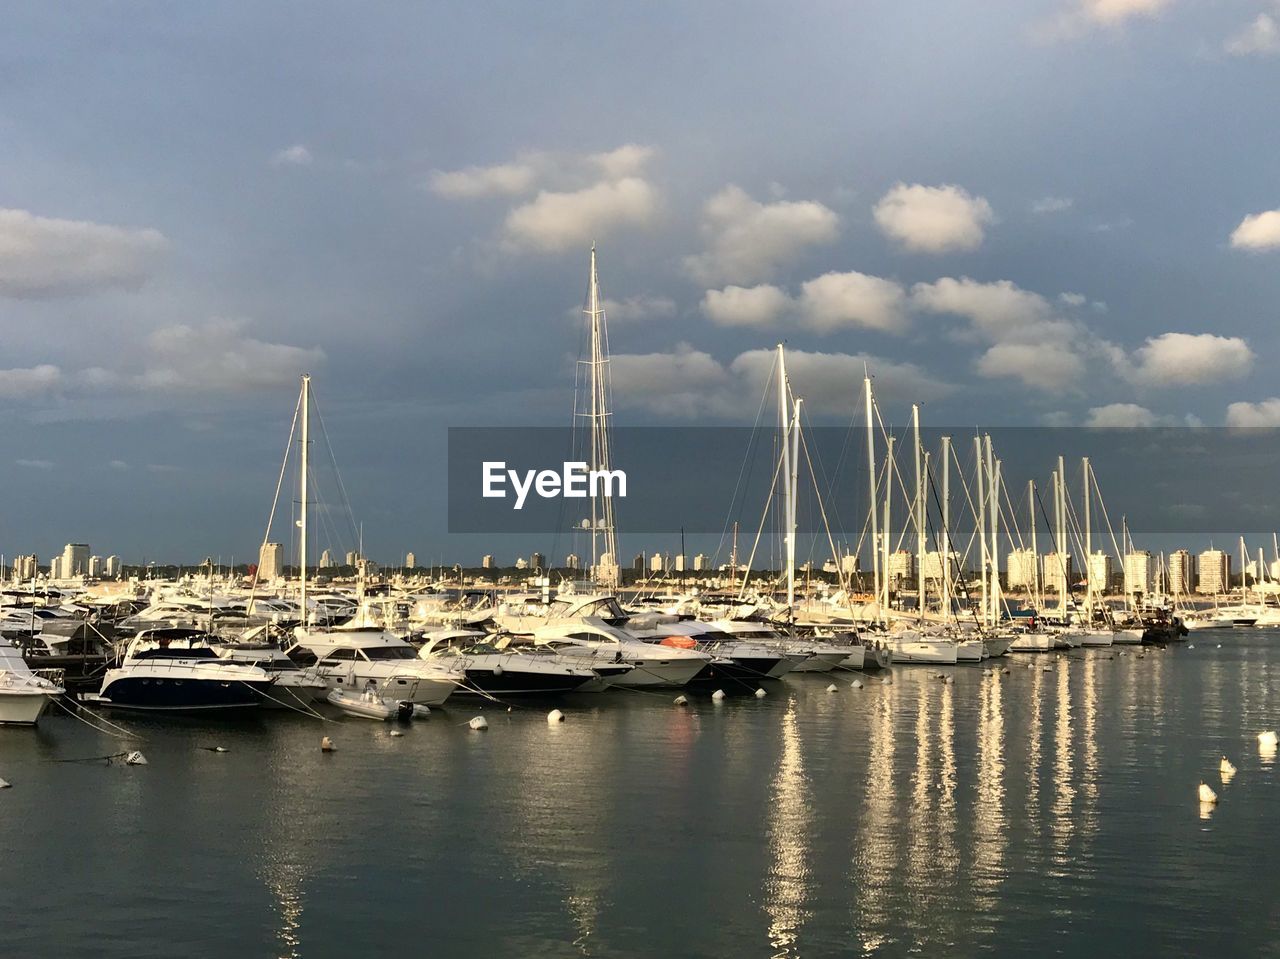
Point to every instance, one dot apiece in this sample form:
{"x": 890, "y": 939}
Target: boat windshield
{"x": 389, "y": 652}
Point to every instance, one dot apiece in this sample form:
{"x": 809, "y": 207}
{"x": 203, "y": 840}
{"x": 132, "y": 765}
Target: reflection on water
{"x": 1009, "y": 814}
{"x": 786, "y": 887}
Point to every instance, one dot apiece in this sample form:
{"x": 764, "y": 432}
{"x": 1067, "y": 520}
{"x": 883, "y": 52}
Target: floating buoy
{"x": 680, "y": 700}
{"x": 761, "y": 694}
{"x": 1122, "y": 653}
{"x": 1226, "y": 769}
{"x": 396, "y": 733}
{"x": 1207, "y": 794}
{"x": 421, "y": 712}
{"x": 832, "y": 688}
{"x": 717, "y": 695}
{"x": 555, "y": 716}
{"x": 216, "y": 749}
{"x": 4, "y": 784}
{"x": 856, "y": 684}
{"x": 1007, "y": 671}
{"x": 135, "y": 758}
{"x": 326, "y": 745}
{"x": 1191, "y": 645}
{"x": 1267, "y": 739}
{"x": 479, "y": 723}
{"x": 1219, "y": 645}
{"x": 887, "y": 681}
{"x": 950, "y": 680}
{"x": 1048, "y": 668}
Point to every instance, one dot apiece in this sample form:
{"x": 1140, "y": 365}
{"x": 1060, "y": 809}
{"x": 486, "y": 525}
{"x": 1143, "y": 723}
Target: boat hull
{"x": 148, "y": 694}
{"x": 22, "y": 708}
{"x": 918, "y": 652}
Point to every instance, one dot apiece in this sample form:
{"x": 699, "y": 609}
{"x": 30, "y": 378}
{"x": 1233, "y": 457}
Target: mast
{"x": 871, "y": 487}
{"x": 1060, "y": 521}
{"x": 944, "y": 583}
{"x": 993, "y": 490}
{"x": 1035, "y": 553}
{"x": 917, "y": 509}
{"x": 982, "y": 528}
{"x": 1088, "y": 544}
{"x": 603, "y": 533}
{"x": 888, "y": 498}
{"x": 788, "y": 477}
{"x": 302, "y": 490}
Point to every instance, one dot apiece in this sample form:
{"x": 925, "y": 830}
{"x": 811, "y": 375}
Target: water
{"x": 1046, "y": 812}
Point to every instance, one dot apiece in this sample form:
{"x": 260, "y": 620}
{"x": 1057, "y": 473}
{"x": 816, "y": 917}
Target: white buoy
{"x": 497, "y": 669}
{"x": 421, "y": 711}
{"x": 396, "y": 733}
{"x": 1207, "y": 794}
{"x": 950, "y": 680}
{"x": 479, "y": 723}
{"x": 135, "y": 758}
{"x": 761, "y": 694}
{"x": 555, "y": 716}
{"x": 1268, "y": 739}
{"x": 717, "y": 695}
{"x": 1226, "y": 769}
{"x": 1219, "y": 645}
{"x": 4, "y": 784}
{"x": 856, "y": 684}
{"x": 680, "y": 700}
{"x": 832, "y": 688}
{"x": 1048, "y": 668}
{"x": 1007, "y": 671}
{"x": 326, "y": 745}
{"x": 1191, "y": 645}
{"x": 887, "y": 681}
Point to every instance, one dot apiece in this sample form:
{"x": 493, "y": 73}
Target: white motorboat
{"x": 912, "y": 648}
{"x": 349, "y": 659}
{"x": 654, "y": 664}
{"x": 504, "y": 672}
{"x": 24, "y": 696}
{"x": 175, "y": 671}
{"x": 1033, "y": 641}
{"x": 295, "y": 686}
{"x": 366, "y": 704}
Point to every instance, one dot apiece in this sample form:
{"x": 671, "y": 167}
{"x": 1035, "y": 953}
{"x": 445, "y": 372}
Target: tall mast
{"x": 917, "y": 509}
{"x": 788, "y": 480}
{"x": 888, "y": 499}
{"x": 982, "y": 528}
{"x": 1088, "y": 543}
{"x": 1060, "y": 521}
{"x": 1035, "y": 553}
{"x": 944, "y": 583}
{"x": 603, "y": 533}
{"x": 302, "y": 489}
{"x": 993, "y": 489}
{"x": 871, "y": 487}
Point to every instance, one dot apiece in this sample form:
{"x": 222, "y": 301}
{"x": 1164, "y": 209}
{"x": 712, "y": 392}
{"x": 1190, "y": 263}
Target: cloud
{"x": 1179, "y": 359}
{"x": 296, "y": 155}
{"x": 691, "y": 383}
{"x": 35, "y": 464}
{"x": 998, "y": 311}
{"x": 553, "y": 222}
{"x": 502, "y": 179}
{"x": 1120, "y": 414}
{"x": 33, "y": 382}
{"x": 825, "y": 304}
{"x": 748, "y": 241}
{"x": 635, "y": 308}
{"x": 119, "y": 465}
{"x": 1053, "y": 367}
{"x": 220, "y": 356}
{"x": 45, "y": 257}
{"x": 1082, "y": 15}
{"x": 627, "y": 160}
{"x": 836, "y": 301}
{"x": 1258, "y": 231}
{"x": 1052, "y": 204}
{"x": 1265, "y": 413}
{"x": 1262, "y": 37}
{"x": 757, "y": 306}
{"x": 1072, "y": 299}
{"x": 928, "y": 219}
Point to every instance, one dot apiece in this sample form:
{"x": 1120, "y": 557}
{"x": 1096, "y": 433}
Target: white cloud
{"x": 44, "y": 257}
{"x": 746, "y": 306}
{"x": 1080, "y": 16}
{"x": 296, "y": 155}
{"x": 839, "y": 300}
{"x": 220, "y": 356}
{"x": 999, "y": 310}
{"x": 747, "y": 241}
{"x": 502, "y": 179}
{"x": 553, "y": 222}
{"x": 635, "y": 308}
{"x": 1179, "y": 359}
{"x": 34, "y": 382}
{"x": 1265, "y": 413}
{"x": 680, "y": 383}
{"x": 35, "y": 464}
{"x": 630, "y": 159}
{"x": 1073, "y": 299}
{"x": 1053, "y": 367}
{"x": 1052, "y": 204}
{"x": 1258, "y": 231}
{"x": 1120, "y": 414}
{"x": 1262, "y": 36}
{"x": 928, "y": 219}
{"x": 118, "y": 465}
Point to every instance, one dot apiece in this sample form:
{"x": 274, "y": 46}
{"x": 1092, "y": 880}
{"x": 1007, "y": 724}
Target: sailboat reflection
{"x": 989, "y": 820}
{"x": 1064, "y": 792}
{"x": 786, "y": 887}
{"x": 875, "y": 863}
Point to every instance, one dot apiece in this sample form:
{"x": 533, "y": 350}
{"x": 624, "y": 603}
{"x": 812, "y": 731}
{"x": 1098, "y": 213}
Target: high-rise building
{"x": 55, "y": 568}
{"x": 326, "y": 560}
{"x": 638, "y": 563}
{"x": 271, "y": 561}
{"x": 75, "y": 560}
{"x": 111, "y": 568}
{"x": 26, "y": 567}
{"x": 410, "y": 561}
{"x": 95, "y": 566}
{"x": 933, "y": 566}
{"x": 902, "y": 565}
{"x": 1215, "y": 572}
{"x": 537, "y": 561}
{"x": 655, "y": 563}
{"x": 1100, "y": 571}
{"x": 700, "y": 562}
{"x": 1020, "y": 569}
{"x": 1059, "y": 573}
{"x": 486, "y": 561}
{"x": 1182, "y": 572}
{"x": 572, "y": 561}
{"x": 1138, "y": 570}
{"x": 353, "y": 558}
{"x": 606, "y": 570}
{"x": 679, "y": 562}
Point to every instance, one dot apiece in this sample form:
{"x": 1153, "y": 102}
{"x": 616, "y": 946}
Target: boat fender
{"x": 497, "y": 669}
{"x": 479, "y": 723}
{"x": 555, "y": 716}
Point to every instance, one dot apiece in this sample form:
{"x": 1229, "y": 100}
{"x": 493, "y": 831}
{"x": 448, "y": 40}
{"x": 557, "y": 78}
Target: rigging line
{"x": 746, "y": 573}
{"x": 342, "y": 489}
{"x": 748, "y": 458}
{"x": 284, "y": 466}
{"x": 830, "y": 542}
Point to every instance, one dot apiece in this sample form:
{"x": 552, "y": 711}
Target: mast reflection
{"x": 787, "y": 885}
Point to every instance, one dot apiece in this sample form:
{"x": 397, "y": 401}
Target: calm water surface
{"x": 1036, "y": 812}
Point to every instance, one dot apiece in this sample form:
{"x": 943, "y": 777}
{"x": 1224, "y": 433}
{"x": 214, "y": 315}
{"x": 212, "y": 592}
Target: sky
{"x": 1053, "y": 213}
